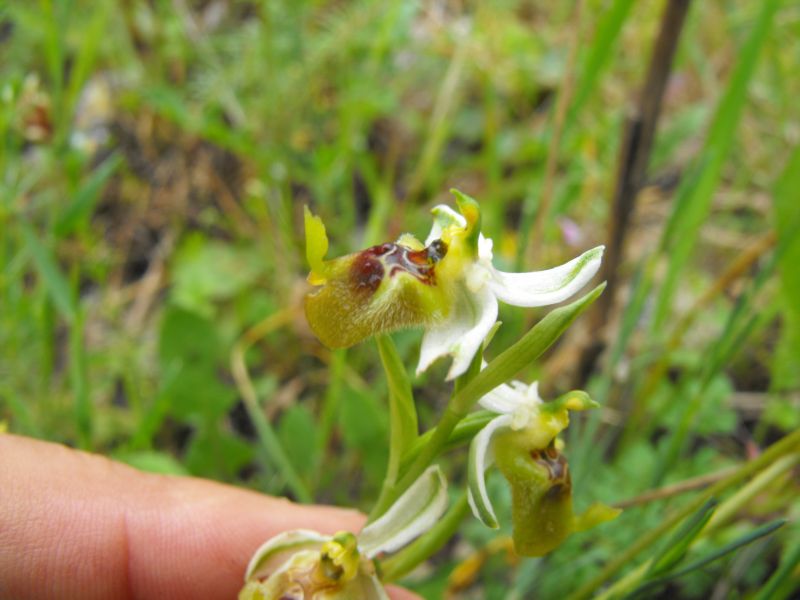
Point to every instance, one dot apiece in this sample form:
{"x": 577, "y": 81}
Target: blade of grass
{"x": 402, "y": 412}
{"x": 601, "y": 50}
{"x": 774, "y": 588}
{"x": 79, "y": 381}
{"x": 786, "y": 216}
{"x": 694, "y": 196}
{"x": 270, "y": 443}
{"x": 678, "y": 543}
{"x": 52, "y": 278}
{"x": 77, "y": 212}
{"x": 699, "y": 563}
{"x": 787, "y": 445}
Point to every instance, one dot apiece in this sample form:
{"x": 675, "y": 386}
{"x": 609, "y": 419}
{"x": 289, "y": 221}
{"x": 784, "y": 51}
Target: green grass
{"x": 151, "y": 278}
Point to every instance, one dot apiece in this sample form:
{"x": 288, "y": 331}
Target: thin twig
{"x": 676, "y": 489}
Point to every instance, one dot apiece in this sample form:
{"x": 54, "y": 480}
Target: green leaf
{"x": 678, "y": 543}
{"x": 609, "y": 27}
{"x": 84, "y": 200}
{"x": 152, "y": 462}
{"x": 693, "y": 199}
{"x": 197, "y": 392}
{"x": 786, "y": 208}
{"x": 54, "y": 281}
{"x": 217, "y": 454}
{"x": 772, "y": 590}
{"x": 402, "y": 412}
{"x": 461, "y": 435}
{"x": 748, "y": 538}
{"x": 760, "y": 532}
{"x": 297, "y": 432}
{"x": 187, "y": 337}
{"x": 364, "y": 429}
{"x": 207, "y": 271}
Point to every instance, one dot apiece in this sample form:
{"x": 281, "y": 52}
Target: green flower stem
{"x": 499, "y": 371}
{"x": 462, "y": 434}
{"x": 788, "y": 445}
{"x": 416, "y": 553}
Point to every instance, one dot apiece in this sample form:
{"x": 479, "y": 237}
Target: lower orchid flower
{"x": 303, "y": 564}
{"x": 448, "y": 284}
{"x": 522, "y": 442}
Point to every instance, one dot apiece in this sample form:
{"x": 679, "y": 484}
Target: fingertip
{"x": 398, "y": 593}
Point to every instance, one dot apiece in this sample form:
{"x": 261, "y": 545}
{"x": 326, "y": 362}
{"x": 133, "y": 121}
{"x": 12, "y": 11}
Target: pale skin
{"x": 78, "y": 525}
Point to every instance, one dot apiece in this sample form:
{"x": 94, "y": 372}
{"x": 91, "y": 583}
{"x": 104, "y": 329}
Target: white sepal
{"x": 481, "y": 457}
{"x": 414, "y": 513}
{"x": 541, "y": 288}
{"x": 462, "y": 333}
{"x": 275, "y": 551}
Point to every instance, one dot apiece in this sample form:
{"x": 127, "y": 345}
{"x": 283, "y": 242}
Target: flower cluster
{"x": 449, "y": 286}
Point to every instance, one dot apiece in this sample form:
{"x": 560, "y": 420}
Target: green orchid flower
{"x": 303, "y": 564}
{"x": 522, "y": 442}
{"x": 447, "y": 284}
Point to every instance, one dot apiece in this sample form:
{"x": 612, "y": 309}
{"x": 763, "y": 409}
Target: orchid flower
{"x": 448, "y": 285}
{"x": 300, "y": 564}
{"x": 521, "y": 440}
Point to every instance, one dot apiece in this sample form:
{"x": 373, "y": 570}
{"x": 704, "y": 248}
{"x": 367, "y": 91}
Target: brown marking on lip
{"x": 556, "y": 465}
{"x": 366, "y": 273}
{"x": 371, "y": 265}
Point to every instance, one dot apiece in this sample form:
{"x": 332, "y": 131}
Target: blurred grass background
{"x": 155, "y": 159}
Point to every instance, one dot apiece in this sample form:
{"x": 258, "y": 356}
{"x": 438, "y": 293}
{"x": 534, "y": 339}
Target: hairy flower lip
{"x": 519, "y": 409}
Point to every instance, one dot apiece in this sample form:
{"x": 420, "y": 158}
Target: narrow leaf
{"x": 786, "y": 210}
{"x": 645, "y": 590}
{"x": 53, "y": 279}
{"x": 462, "y": 433}
{"x": 77, "y": 212}
{"x": 696, "y": 192}
{"x": 676, "y": 546}
{"x": 402, "y": 412}
{"x": 789, "y": 562}
{"x": 748, "y": 538}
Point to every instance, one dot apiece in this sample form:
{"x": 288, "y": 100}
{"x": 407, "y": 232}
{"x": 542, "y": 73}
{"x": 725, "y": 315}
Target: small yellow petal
{"x": 316, "y": 247}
